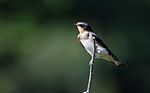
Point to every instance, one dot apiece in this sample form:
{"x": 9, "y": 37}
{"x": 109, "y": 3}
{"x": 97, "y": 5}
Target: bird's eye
{"x": 82, "y": 25}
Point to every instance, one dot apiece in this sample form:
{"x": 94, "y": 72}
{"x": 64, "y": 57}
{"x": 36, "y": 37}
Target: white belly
{"x": 88, "y": 44}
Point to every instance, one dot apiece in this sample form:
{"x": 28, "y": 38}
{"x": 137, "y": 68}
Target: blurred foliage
{"x": 39, "y": 52}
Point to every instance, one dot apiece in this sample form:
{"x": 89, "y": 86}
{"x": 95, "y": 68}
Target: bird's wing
{"x": 101, "y": 43}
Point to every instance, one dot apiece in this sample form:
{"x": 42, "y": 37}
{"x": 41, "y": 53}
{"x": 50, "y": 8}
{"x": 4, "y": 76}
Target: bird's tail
{"x": 120, "y": 64}
{"x": 115, "y": 61}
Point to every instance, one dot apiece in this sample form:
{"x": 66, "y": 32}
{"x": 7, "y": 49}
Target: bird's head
{"x": 83, "y": 26}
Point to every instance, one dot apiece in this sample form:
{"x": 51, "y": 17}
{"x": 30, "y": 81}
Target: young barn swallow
{"x": 86, "y": 36}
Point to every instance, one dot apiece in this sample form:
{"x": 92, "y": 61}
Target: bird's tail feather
{"x": 115, "y": 61}
{"x": 120, "y": 64}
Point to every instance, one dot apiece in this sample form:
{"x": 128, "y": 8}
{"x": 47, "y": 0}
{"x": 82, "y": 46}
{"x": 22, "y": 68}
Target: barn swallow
{"x": 86, "y": 36}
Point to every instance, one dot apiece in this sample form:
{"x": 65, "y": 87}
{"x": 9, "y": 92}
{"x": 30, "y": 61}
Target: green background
{"x": 39, "y": 52}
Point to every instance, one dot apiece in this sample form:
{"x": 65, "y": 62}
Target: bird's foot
{"x": 91, "y": 62}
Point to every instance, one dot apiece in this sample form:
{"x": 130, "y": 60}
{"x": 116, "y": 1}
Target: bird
{"x": 86, "y": 37}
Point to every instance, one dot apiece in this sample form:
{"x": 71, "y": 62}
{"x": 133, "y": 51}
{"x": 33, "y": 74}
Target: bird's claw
{"x": 86, "y": 92}
{"x": 91, "y": 62}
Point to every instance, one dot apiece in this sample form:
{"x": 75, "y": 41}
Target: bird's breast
{"x": 88, "y": 44}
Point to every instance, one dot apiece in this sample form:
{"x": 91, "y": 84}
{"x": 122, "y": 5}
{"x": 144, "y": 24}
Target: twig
{"x": 91, "y": 64}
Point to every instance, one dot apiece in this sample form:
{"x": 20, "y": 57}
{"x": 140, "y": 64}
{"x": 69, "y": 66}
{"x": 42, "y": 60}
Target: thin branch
{"x": 91, "y": 64}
